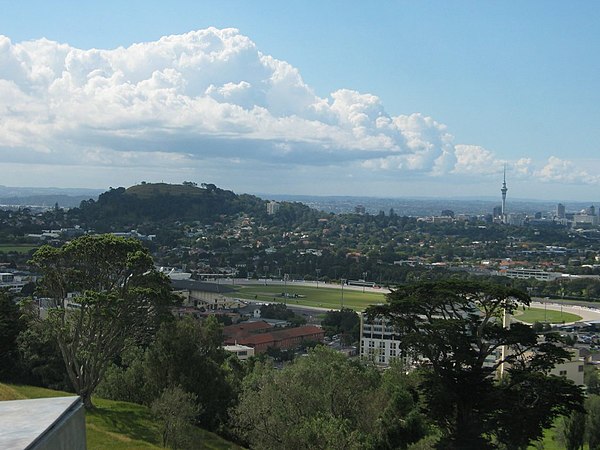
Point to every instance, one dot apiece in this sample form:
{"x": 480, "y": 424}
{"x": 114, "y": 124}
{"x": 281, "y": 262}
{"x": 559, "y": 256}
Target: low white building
{"x": 243, "y": 352}
{"x": 210, "y": 296}
{"x": 536, "y": 274}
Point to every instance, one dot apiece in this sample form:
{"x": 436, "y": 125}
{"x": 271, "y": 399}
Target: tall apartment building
{"x": 379, "y": 342}
{"x": 272, "y": 208}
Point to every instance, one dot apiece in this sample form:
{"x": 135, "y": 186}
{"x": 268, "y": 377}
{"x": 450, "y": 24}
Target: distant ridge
{"x": 8, "y": 191}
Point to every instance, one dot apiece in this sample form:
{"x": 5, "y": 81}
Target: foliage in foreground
{"x": 325, "y": 401}
{"x": 176, "y": 410}
{"x": 118, "y": 295}
{"x": 186, "y": 354}
{"x": 457, "y": 327}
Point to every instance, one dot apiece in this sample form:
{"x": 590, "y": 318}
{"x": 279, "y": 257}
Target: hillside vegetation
{"x": 117, "y": 425}
{"x": 152, "y": 202}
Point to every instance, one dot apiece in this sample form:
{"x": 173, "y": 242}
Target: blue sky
{"x": 466, "y": 85}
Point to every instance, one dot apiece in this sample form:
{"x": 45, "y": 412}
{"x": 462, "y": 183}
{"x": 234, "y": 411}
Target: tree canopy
{"x": 454, "y": 331}
{"x": 325, "y": 401}
{"x": 104, "y": 291}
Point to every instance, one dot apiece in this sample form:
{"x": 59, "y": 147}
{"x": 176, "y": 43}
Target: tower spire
{"x": 503, "y": 190}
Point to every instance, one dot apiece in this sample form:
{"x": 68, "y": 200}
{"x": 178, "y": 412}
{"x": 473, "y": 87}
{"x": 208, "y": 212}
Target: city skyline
{"x": 397, "y": 100}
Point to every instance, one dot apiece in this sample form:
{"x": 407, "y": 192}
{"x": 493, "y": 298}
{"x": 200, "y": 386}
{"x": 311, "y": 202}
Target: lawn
{"x": 531, "y": 315}
{"x": 117, "y": 425}
{"x": 329, "y": 298}
{"x": 17, "y": 248}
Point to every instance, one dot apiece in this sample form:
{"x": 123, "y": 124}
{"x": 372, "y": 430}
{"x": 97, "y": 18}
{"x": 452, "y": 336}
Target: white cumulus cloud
{"x": 212, "y": 95}
{"x": 565, "y": 171}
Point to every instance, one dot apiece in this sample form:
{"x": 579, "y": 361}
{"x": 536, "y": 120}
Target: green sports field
{"x": 330, "y": 298}
{"x": 531, "y": 315}
{"x": 17, "y": 248}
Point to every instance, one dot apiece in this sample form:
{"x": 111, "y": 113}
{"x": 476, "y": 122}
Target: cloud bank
{"x": 212, "y": 96}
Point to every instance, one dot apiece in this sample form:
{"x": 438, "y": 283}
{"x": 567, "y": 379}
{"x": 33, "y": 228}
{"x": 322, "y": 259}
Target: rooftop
{"x": 26, "y": 422}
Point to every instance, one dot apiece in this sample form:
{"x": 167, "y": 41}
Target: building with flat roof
{"x": 379, "y": 342}
{"x": 243, "y": 352}
{"x": 43, "y": 424}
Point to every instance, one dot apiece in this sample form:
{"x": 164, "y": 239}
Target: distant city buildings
{"x": 586, "y": 217}
{"x": 360, "y": 209}
{"x": 497, "y": 213}
{"x": 560, "y": 211}
{"x": 272, "y": 208}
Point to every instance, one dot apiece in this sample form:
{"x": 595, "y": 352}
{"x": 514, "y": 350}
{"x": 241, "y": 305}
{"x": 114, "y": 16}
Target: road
{"x": 275, "y": 282}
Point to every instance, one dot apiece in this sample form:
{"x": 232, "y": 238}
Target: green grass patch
{"x": 329, "y": 298}
{"x": 117, "y": 425}
{"x": 531, "y": 315}
{"x": 17, "y": 248}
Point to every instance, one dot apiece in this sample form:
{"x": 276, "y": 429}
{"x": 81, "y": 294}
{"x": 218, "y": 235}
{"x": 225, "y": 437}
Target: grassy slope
{"x": 116, "y": 425}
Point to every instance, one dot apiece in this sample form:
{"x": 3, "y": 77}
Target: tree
{"x": 324, "y": 401}
{"x": 176, "y": 410}
{"x": 591, "y": 378}
{"x": 188, "y": 354}
{"x": 572, "y": 430}
{"x": 116, "y": 295}
{"x": 345, "y": 322}
{"x": 280, "y": 311}
{"x": 592, "y": 423}
{"x": 455, "y": 329}
{"x": 10, "y": 327}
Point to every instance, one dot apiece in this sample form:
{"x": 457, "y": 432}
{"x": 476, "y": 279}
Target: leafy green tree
{"x": 323, "y": 401}
{"x": 572, "y": 430}
{"x": 529, "y": 402}
{"x": 127, "y": 380}
{"x": 176, "y": 410}
{"x": 456, "y": 326}
{"x": 188, "y": 354}
{"x": 399, "y": 419}
{"x": 591, "y": 378}
{"x": 280, "y": 311}
{"x": 117, "y": 295}
{"x": 345, "y": 322}
{"x": 592, "y": 423}
{"x": 40, "y": 360}
{"x": 10, "y": 327}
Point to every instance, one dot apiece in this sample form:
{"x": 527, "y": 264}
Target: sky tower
{"x": 503, "y": 190}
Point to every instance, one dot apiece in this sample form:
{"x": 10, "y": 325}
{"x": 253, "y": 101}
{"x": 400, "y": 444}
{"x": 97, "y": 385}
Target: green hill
{"x": 156, "y": 202}
{"x": 117, "y": 425}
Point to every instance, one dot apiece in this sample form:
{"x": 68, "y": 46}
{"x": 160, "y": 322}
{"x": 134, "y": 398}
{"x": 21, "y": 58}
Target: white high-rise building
{"x": 272, "y": 207}
{"x": 379, "y": 342}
